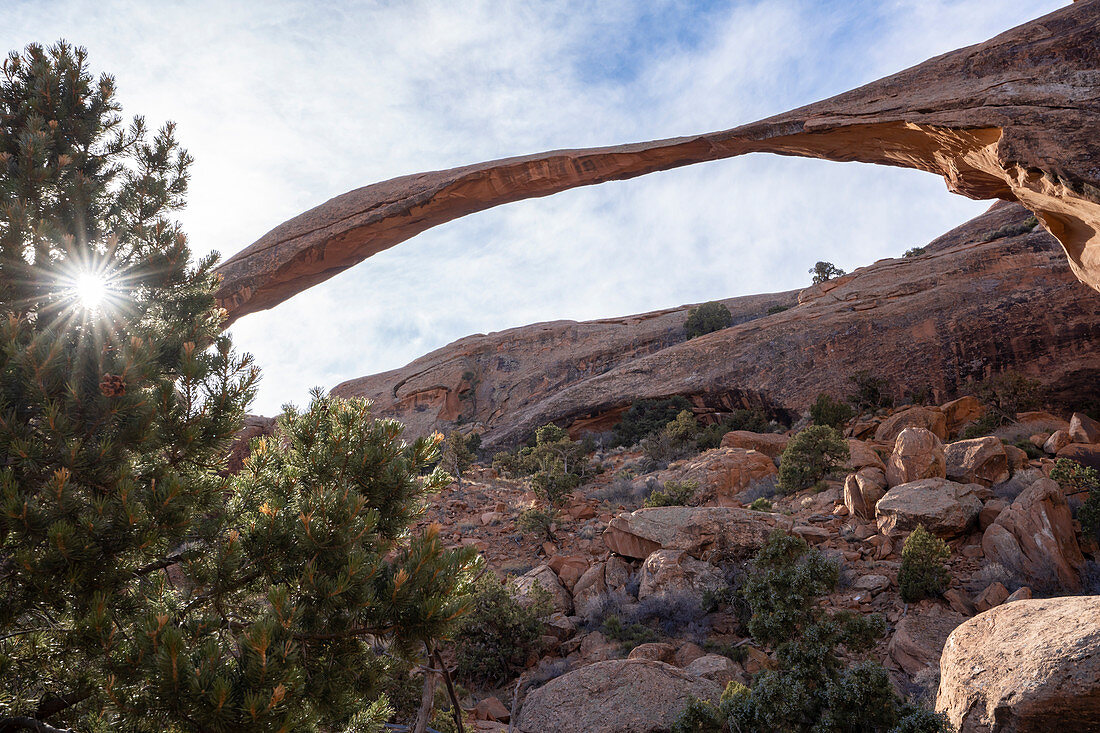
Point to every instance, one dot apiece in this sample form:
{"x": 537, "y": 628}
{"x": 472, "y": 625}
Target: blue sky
{"x": 286, "y": 103}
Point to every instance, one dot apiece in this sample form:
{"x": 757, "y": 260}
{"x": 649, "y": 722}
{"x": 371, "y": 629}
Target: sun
{"x": 90, "y": 289}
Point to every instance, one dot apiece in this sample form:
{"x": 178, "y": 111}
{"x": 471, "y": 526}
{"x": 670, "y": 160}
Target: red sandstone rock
{"x": 913, "y": 417}
{"x": 918, "y": 454}
{"x": 1083, "y": 429}
{"x": 770, "y": 444}
{"x": 944, "y": 507}
{"x": 978, "y": 461}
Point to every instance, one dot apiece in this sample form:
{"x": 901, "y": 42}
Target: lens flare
{"x": 90, "y": 289}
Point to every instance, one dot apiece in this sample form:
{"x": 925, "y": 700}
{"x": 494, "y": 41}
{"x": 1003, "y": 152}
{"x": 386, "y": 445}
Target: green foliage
{"x": 114, "y": 428}
{"x": 674, "y": 493}
{"x": 556, "y": 464}
{"x": 872, "y": 392}
{"x": 923, "y": 572}
{"x": 629, "y": 635}
{"x": 1008, "y": 393}
{"x": 809, "y": 457}
{"x": 459, "y": 452}
{"x": 646, "y": 417}
{"x": 1014, "y": 229}
{"x": 983, "y": 426}
{"x": 914, "y": 252}
{"x": 538, "y": 521}
{"x": 755, "y": 421}
{"x": 498, "y": 634}
{"x": 778, "y": 309}
{"x": 825, "y": 271}
{"x": 1032, "y": 450}
{"x": 760, "y": 504}
{"x": 828, "y": 411}
{"x": 707, "y": 318}
{"x": 1074, "y": 478}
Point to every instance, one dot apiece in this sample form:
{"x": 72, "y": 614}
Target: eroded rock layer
{"x": 1012, "y": 118}
{"x": 967, "y": 308}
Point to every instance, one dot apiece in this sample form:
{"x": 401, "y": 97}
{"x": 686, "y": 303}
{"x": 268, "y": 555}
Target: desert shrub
{"x": 832, "y": 412}
{"x": 672, "y": 614}
{"x": 707, "y": 318}
{"x": 673, "y": 493}
{"x": 923, "y": 572}
{"x": 1008, "y": 393}
{"x": 646, "y": 417}
{"x": 809, "y": 457}
{"x": 983, "y": 426}
{"x": 622, "y": 490}
{"x": 555, "y": 463}
{"x": 458, "y": 453}
{"x": 538, "y": 521}
{"x": 760, "y": 504}
{"x": 914, "y": 252}
{"x": 762, "y": 488}
{"x": 498, "y": 634}
{"x": 772, "y": 310}
{"x": 825, "y": 271}
{"x": 1013, "y": 229}
{"x": 1032, "y": 450}
{"x": 872, "y": 392}
{"x": 994, "y": 572}
{"x": 756, "y": 421}
{"x": 1074, "y": 477}
{"x": 629, "y": 635}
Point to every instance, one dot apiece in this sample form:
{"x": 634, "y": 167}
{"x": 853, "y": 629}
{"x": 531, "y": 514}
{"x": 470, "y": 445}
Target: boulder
{"x": 1086, "y": 455}
{"x": 978, "y": 461}
{"x": 990, "y": 511}
{"x": 717, "y": 668}
{"x": 1030, "y": 665}
{"x": 655, "y": 650}
{"x": 913, "y": 417}
{"x": 862, "y": 490}
{"x": 721, "y": 473}
{"x": 1058, "y": 440}
{"x": 693, "y": 529}
{"x": 615, "y": 696}
{"x": 674, "y": 572}
{"x": 1034, "y": 536}
{"x": 994, "y": 595}
{"x": 861, "y": 455}
{"x": 1083, "y": 429}
{"x": 770, "y": 444}
{"x": 960, "y": 412}
{"x": 945, "y": 508}
{"x": 600, "y": 579}
{"x": 1017, "y": 458}
{"x": 569, "y": 568}
{"x": 918, "y": 454}
{"x": 919, "y": 638}
{"x": 546, "y": 579}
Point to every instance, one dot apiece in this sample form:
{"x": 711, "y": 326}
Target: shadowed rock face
{"x": 1012, "y": 118}
{"x": 965, "y": 309}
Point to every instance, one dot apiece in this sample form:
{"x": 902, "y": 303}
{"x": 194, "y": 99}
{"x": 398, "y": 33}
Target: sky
{"x": 287, "y": 103}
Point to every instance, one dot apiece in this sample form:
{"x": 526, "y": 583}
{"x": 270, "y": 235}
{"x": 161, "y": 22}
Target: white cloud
{"x": 286, "y": 103}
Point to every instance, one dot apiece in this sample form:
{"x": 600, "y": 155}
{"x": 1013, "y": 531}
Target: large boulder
{"x": 919, "y": 638}
{"x": 1086, "y": 455}
{"x": 674, "y": 572}
{"x": 960, "y": 412}
{"x": 918, "y": 453}
{"x": 1034, "y": 536}
{"x": 770, "y": 444}
{"x": 615, "y": 696}
{"x": 544, "y": 578}
{"x": 602, "y": 578}
{"x": 945, "y": 508}
{"x": 913, "y": 417}
{"x": 1030, "y": 665}
{"x": 862, "y": 455}
{"x": 978, "y": 461}
{"x": 1083, "y": 429}
{"x": 721, "y": 473}
{"x": 862, "y": 490}
{"x": 640, "y": 533}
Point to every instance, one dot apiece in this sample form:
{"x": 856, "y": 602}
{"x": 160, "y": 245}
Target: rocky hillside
{"x": 993, "y": 294}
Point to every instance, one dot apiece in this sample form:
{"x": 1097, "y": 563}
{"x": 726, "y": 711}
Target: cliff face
{"x": 964, "y": 309}
{"x": 1013, "y": 118}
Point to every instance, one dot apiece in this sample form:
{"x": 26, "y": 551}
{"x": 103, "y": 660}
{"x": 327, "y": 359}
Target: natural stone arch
{"x": 1013, "y": 118}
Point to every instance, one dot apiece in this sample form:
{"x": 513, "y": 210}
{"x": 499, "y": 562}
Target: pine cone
{"x": 112, "y": 385}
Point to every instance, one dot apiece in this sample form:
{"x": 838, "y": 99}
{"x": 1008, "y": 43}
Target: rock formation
{"x": 966, "y": 308}
{"x": 1012, "y": 118}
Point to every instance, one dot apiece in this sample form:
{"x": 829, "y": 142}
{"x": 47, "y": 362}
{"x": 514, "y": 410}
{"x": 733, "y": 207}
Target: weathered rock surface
{"x": 1010, "y": 118}
{"x": 929, "y": 317}
{"x": 918, "y": 454}
{"x": 978, "y": 461}
{"x": 616, "y": 696}
{"x": 770, "y": 444}
{"x": 913, "y": 417}
{"x": 544, "y": 578}
{"x": 1035, "y": 536}
{"x": 693, "y": 529}
{"x": 919, "y": 638}
{"x": 674, "y": 572}
{"x": 1083, "y": 429}
{"x": 600, "y": 579}
{"x": 721, "y": 473}
{"x": 944, "y": 507}
{"x": 862, "y": 455}
{"x": 862, "y": 490}
{"x": 1029, "y": 665}
{"x": 961, "y": 411}
{"x": 1086, "y": 455}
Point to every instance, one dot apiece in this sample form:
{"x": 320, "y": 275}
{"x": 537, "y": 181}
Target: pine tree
{"x": 141, "y": 588}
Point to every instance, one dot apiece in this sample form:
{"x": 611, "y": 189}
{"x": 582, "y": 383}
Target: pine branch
{"x": 25, "y": 723}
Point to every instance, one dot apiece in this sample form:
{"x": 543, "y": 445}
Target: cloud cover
{"x": 286, "y": 103}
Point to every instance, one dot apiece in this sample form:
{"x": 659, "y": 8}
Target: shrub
{"x": 646, "y": 417}
{"x": 458, "y": 453}
{"x": 983, "y": 426}
{"x": 828, "y": 411}
{"x": 809, "y": 457}
{"x": 872, "y": 393}
{"x": 923, "y": 572}
{"x": 760, "y": 504}
{"x": 629, "y": 635}
{"x": 538, "y": 521}
{"x": 707, "y": 318}
{"x": 778, "y": 309}
{"x": 1032, "y": 450}
{"x": 914, "y": 252}
{"x": 674, "y": 493}
{"x": 556, "y": 464}
{"x": 498, "y": 634}
{"x": 1008, "y": 393}
{"x": 1013, "y": 229}
{"x": 825, "y": 271}
{"x": 1075, "y": 478}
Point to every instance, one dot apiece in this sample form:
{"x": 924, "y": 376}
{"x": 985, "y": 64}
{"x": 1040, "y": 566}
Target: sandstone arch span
{"x": 1013, "y": 118}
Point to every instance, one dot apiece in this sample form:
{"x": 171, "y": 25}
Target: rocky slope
{"x": 1012, "y": 118}
{"x": 966, "y": 308}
